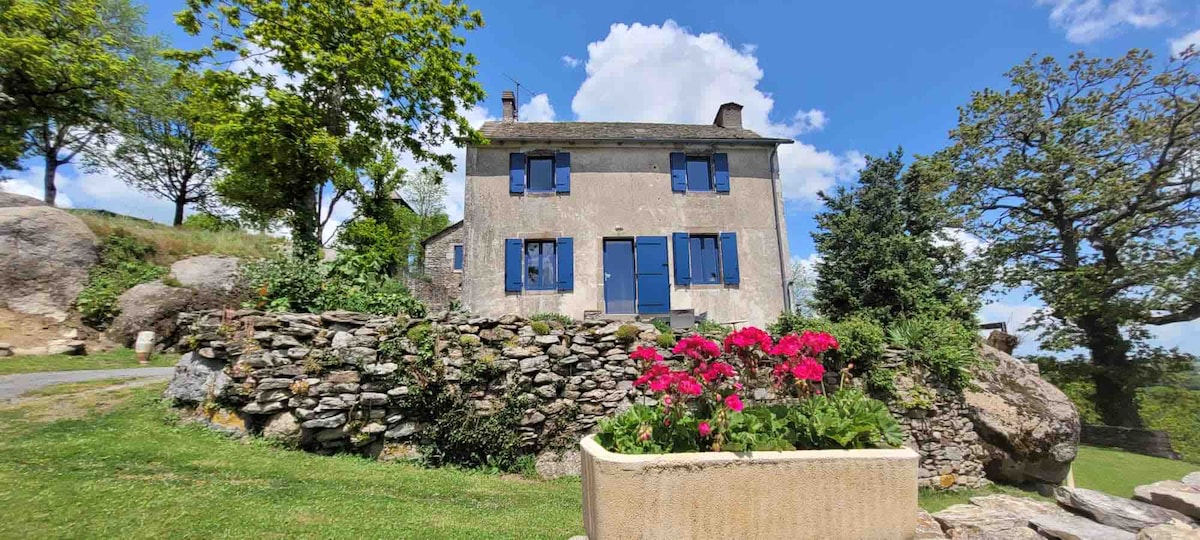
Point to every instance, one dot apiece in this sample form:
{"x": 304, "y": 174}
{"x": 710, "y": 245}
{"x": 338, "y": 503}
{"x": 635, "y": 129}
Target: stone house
{"x": 622, "y": 219}
{"x": 441, "y": 283}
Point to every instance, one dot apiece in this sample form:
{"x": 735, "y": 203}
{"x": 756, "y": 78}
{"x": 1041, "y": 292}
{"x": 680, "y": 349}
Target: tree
{"x": 882, "y": 251}
{"x": 1082, "y": 181}
{"x": 426, "y": 193}
{"x": 158, "y": 149}
{"x": 378, "y": 225}
{"x": 64, "y": 65}
{"x": 318, "y": 85}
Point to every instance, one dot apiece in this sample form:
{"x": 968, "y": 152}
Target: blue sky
{"x": 845, "y": 79}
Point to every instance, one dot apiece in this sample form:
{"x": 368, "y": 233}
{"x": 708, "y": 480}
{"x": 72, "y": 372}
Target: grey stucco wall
{"x": 624, "y": 192}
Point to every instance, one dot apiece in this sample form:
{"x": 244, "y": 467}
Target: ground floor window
{"x": 705, "y": 259}
{"x": 540, "y": 265}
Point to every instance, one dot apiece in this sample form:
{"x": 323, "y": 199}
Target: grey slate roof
{"x": 617, "y": 131}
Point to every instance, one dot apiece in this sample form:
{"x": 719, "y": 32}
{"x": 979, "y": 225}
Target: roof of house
{"x": 398, "y": 199}
{"x": 621, "y": 131}
{"x": 438, "y": 234}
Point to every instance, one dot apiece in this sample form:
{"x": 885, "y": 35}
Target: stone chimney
{"x": 509, "y": 106}
{"x": 729, "y": 116}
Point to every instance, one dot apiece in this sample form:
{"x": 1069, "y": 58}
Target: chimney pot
{"x": 729, "y": 115}
{"x": 508, "y": 103}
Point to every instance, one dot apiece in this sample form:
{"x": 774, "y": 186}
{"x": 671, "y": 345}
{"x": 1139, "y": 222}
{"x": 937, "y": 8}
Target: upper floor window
{"x": 699, "y": 174}
{"x": 539, "y": 173}
{"x": 540, "y": 265}
{"x": 458, "y": 257}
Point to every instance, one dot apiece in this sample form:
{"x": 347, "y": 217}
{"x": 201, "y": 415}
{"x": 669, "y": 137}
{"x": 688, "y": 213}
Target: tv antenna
{"x": 518, "y": 95}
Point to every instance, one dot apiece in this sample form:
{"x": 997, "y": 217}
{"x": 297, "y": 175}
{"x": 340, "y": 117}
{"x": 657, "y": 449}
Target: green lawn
{"x": 117, "y": 358}
{"x": 1117, "y": 472}
{"x": 117, "y": 464}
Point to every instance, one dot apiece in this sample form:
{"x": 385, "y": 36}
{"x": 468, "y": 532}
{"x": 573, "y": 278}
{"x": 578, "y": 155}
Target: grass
{"x": 75, "y": 387}
{"x": 114, "y": 359}
{"x": 87, "y": 463}
{"x": 933, "y": 501}
{"x": 130, "y": 472}
{"x": 1117, "y": 472}
{"x": 172, "y": 244}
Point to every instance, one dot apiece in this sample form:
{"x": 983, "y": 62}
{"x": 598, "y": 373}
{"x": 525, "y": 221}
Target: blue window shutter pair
{"x": 514, "y": 275}
{"x": 679, "y": 172}
{"x": 516, "y": 172}
{"x": 729, "y": 258}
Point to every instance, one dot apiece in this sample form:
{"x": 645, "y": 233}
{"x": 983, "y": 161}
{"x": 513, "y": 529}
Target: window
{"x": 699, "y": 177}
{"x": 705, "y": 260}
{"x": 541, "y": 174}
{"x": 540, "y": 265}
{"x": 458, "y": 257}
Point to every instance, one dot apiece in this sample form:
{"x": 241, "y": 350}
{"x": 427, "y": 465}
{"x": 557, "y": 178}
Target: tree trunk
{"x": 179, "y": 204}
{"x": 1115, "y": 398}
{"x": 306, "y": 227}
{"x": 48, "y": 179}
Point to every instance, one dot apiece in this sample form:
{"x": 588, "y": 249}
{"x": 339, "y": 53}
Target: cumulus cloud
{"x": 537, "y": 109}
{"x": 1089, "y": 20}
{"x": 92, "y": 189}
{"x": 570, "y": 61}
{"x": 665, "y": 73}
{"x": 1189, "y": 40}
{"x": 24, "y": 186}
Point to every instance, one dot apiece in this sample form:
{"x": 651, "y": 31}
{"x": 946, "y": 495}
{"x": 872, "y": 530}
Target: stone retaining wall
{"x": 1139, "y": 441}
{"x": 343, "y": 381}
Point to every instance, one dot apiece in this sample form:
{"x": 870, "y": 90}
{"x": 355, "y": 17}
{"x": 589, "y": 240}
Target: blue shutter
{"x": 516, "y": 173}
{"x": 562, "y": 172}
{"x": 729, "y": 258}
{"x": 683, "y": 261}
{"x": 721, "y": 164}
{"x": 678, "y": 171}
{"x": 653, "y": 279}
{"x": 512, "y": 265}
{"x": 458, "y": 257}
{"x": 566, "y": 264}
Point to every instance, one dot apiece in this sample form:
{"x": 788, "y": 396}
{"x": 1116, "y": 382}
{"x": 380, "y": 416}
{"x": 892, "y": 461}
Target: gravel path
{"x": 12, "y": 386}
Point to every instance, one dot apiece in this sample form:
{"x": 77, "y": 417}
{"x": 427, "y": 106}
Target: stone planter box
{"x": 820, "y": 494}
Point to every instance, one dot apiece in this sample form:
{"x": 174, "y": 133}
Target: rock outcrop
{"x": 150, "y": 306}
{"x": 216, "y": 280}
{"x": 1177, "y": 496}
{"x": 45, "y": 255}
{"x": 1029, "y": 428}
{"x": 197, "y": 379}
{"x": 1114, "y": 511}
{"x": 12, "y": 200}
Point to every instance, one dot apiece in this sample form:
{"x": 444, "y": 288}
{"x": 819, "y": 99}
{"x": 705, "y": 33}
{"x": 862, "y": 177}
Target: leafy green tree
{"x": 157, "y": 148}
{"x": 65, "y": 68}
{"x": 1082, "y": 181}
{"x": 882, "y": 251}
{"x": 426, "y": 193}
{"x": 378, "y": 225}
{"x": 318, "y": 85}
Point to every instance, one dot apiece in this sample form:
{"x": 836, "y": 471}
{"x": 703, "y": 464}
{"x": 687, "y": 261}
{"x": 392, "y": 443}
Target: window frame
{"x": 529, "y": 159}
{"x": 708, "y": 160}
{"x": 546, "y": 285}
{"x": 696, "y": 255}
{"x": 458, "y": 257}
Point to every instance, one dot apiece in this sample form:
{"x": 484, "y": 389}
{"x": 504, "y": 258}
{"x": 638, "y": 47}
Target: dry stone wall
{"x": 343, "y": 381}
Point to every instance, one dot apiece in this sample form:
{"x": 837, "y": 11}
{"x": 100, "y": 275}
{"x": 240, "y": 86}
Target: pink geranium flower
{"x": 697, "y": 347}
{"x": 648, "y": 354}
{"x": 705, "y": 429}
{"x": 734, "y": 403}
{"x": 808, "y": 370}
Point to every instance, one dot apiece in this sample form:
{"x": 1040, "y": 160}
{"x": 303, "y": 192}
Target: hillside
{"x": 171, "y": 244}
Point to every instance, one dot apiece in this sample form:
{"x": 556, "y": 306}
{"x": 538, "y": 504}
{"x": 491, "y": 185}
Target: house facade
{"x": 612, "y": 218}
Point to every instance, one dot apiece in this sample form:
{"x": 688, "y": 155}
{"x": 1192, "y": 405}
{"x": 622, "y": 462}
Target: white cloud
{"x": 1181, "y": 44}
{"x": 537, "y": 109}
{"x": 570, "y": 61}
{"x": 456, "y": 180}
{"x": 24, "y": 186}
{"x": 1090, "y": 20}
{"x": 969, "y": 243}
{"x": 664, "y": 73}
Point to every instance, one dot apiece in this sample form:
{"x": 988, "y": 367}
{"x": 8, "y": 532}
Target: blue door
{"x": 620, "y": 287}
{"x": 653, "y": 283}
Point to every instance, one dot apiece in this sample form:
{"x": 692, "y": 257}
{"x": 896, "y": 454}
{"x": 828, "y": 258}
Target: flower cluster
{"x": 799, "y": 355}
{"x": 751, "y": 345}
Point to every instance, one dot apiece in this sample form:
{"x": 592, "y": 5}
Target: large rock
{"x": 1172, "y": 495}
{"x": 217, "y": 280}
{"x": 1114, "y": 511}
{"x": 12, "y": 200}
{"x": 967, "y": 521}
{"x": 928, "y": 528}
{"x": 1071, "y": 527}
{"x": 45, "y": 255}
{"x": 197, "y": 379}
{"x": 150, "y": 306}
{"x": 1193, "y": 480}
{"x": 1174, "y": 530}
{"x": 282, "y": 427}
{"x": 1029, "y": 428}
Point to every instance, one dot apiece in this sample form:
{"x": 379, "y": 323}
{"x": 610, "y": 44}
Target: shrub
{"x": 352, "y": 283}
{"x": 845, "y": 419}
{"x": 666, "y": 340}
{"x": 205, "y": 221}
{"x": 1176, "y": 411}
{"x": 712, "y": 329}
{"x": 627, "y": 333}
{"x": 123, "y": 264}
{"x": 458, "y": 435}
{"x": 546, "y": 316}
{"x": 540, "y": 328}
{"x": 946, "y": 347}
{"x": 662, "y": 326}
{"x": 860, "y": 340}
